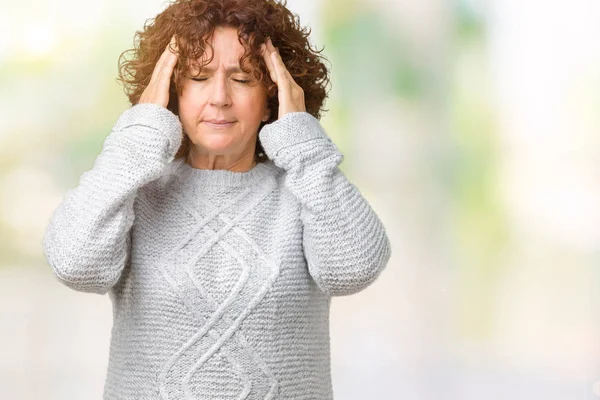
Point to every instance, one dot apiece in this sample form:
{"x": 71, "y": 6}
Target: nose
{"x": 219, "y": 91}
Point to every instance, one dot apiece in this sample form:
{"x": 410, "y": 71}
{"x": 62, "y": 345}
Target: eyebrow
{"x": 228, "y": 69}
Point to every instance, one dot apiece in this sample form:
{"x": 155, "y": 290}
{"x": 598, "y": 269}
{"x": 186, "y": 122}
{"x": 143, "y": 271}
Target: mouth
{"x": 219, "y": 124}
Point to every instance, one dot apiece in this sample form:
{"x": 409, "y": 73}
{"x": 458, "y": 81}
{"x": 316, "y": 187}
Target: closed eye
{"x": 237, "y": 80}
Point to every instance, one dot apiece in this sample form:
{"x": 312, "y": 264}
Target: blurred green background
{"x": 472, "y": 127}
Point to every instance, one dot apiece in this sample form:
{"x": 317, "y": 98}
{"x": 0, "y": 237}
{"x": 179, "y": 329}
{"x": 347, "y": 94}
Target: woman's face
{"x": 223, "y": 92}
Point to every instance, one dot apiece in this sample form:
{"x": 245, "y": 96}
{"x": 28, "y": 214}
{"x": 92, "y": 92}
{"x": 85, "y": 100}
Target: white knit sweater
{"x": 220, "y": 281}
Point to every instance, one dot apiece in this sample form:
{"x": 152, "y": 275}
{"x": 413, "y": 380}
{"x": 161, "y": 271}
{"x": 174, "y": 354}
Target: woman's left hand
{"x": 291, "y": 95}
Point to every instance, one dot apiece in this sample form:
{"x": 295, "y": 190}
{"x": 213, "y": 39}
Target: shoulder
{"x": 162, "y": 184}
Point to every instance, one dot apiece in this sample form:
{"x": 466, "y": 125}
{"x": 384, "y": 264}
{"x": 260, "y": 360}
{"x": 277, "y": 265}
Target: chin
{"x": 219, "y": 144}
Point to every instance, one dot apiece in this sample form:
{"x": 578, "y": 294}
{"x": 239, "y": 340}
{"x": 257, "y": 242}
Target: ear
{"x": 266, "y": 115}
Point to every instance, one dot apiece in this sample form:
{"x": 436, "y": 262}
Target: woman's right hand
{"x": 157, "y": 91}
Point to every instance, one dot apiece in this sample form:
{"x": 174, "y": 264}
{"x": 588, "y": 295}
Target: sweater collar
{"x": 223, "y": 177}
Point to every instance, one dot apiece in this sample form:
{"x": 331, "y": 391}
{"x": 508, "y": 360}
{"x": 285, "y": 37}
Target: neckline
{"x": 223, "y": 177}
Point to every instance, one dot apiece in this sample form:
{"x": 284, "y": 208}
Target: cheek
{"x": 190, "y": 110}
{"x": 253, "y": 104}
{"x": 191, "y": 100}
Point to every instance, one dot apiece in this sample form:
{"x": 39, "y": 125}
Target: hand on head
{"x": 157, "y": 91}
{"x": 290, "y": 94}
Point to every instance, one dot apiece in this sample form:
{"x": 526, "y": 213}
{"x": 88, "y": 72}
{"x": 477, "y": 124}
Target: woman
{"x": 216, "y": 216}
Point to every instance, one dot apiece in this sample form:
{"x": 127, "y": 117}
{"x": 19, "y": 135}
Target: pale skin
{"x": 222, "y": 95}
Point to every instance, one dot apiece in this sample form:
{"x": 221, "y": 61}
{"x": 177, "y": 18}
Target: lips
{"x": 219, "y": 121}
{"x": 219, "y": 124}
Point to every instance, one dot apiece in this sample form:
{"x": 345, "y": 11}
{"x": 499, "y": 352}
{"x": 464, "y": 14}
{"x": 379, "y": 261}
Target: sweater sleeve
{"x": 87, "y": 241}
{"x": 344, "y": 241}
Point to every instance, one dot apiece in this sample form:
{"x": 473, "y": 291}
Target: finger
{"x": 266, "y": 55}
{"x": 168, "y": 56}
{"x": 173, "y": 44}
{"x": 171, "y": 53}
{"x": 283, "y": 75}
{"x": 164, "y": 67}
{"x": 278, "y": 64}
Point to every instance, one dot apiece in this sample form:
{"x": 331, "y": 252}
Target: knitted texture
{"x": 220, "y": 281}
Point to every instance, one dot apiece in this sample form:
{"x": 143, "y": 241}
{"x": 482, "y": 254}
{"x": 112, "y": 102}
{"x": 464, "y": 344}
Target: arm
{"x": 345, "y": 243}
{"x": 87, "y": 241}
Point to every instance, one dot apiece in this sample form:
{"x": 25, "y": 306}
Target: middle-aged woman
{"x": 216, "y": 216}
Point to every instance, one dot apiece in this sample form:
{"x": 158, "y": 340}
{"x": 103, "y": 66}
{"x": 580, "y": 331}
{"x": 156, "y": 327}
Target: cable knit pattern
{"x": 220, "y": 281}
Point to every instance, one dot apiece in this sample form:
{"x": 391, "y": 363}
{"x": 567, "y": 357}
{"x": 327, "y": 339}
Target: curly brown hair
{"x": 194, "y": 21}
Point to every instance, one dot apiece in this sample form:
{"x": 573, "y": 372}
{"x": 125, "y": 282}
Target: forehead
{"x": 229, "y": 68}
{"x": 225, "y": 47}
{"x": 217, "y": 63}
{"x": 225, "y": 50}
